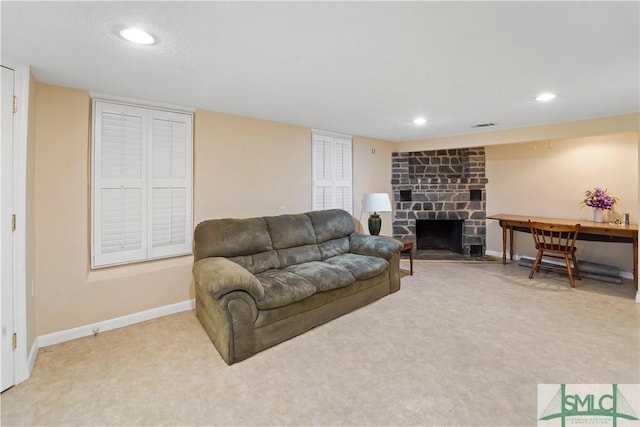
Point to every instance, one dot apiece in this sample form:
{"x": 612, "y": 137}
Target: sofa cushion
{"x": 298, "y": 255}
{"x": 282, "y": 288}
{"x": 363, "y": 244}
{"x": 231, "y": 237}
{"x": 361, "y": 266}
{"x": 331, "y": 224}
{"x": 289, "y": 231}
{"x": 322, "y": 275}
{"x": 257, "y": 263}
{"x": 334, "y": 247}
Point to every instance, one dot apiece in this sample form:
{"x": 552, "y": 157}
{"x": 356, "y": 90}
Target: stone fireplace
{"x": 440, "y": 200}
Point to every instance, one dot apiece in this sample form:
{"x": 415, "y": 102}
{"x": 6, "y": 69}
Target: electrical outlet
{"x": 283, "y": 209}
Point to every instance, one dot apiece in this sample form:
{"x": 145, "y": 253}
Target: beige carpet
{"x": 460, "y": 344}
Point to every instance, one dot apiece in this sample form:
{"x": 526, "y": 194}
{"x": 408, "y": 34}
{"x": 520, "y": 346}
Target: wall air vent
{"x": 483, "y": 125}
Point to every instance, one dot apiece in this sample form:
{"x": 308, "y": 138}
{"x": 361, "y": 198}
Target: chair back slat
{"x": 554, "y": 237}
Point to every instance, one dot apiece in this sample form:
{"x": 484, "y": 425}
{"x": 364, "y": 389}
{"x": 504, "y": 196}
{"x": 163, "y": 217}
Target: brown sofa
{"x": 261, "y": 281}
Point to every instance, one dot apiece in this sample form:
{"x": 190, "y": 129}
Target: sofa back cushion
{"x": 331, "y": 224}
{"x": 293, "y": 238}
{"x": 332, "y": 229}
{"x": 244, "y": 241}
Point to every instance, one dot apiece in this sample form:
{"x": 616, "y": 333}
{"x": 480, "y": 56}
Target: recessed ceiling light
{"x": 138, "y": 36}
{"x": 419, "y": 121}
{"x": 545, "y": 97}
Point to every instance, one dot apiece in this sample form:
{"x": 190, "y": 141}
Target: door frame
{"x": 6, "y": 233}
{"x": 23, "y": 360}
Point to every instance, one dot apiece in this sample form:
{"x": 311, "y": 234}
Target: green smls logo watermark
{"x": 588, "y": 405}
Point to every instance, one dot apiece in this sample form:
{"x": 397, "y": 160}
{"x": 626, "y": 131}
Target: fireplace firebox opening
{"x": 434, "y": 234}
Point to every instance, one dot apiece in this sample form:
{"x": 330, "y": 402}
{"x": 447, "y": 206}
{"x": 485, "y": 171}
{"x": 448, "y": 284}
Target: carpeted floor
{"x": 460, "y": 344}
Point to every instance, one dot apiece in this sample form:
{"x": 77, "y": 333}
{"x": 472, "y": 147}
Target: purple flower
{"x": 599, "y": 198}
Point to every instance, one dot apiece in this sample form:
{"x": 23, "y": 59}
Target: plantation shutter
{"x": 331, "y": 170}
{"x": 170, "y": 183}
{"x": 119, "y": 182}
{"x": 322, "y": 173}
{"x": 142, "y": 184}
{"x": 342, "y": 174}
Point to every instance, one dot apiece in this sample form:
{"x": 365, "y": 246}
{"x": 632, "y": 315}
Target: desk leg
{"x": 635, "y": 261}
{"x": 504, "y": 242}
{"x": 511, "y": 243}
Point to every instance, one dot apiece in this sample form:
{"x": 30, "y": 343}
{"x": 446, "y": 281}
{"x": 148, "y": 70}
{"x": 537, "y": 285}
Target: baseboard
{"x": 516, "y": 257}
{"x": 108, "y": 325}
{"x": 33, "y": 354}
{"x": 626, "y": 275}
{"x": 499, "y": 255}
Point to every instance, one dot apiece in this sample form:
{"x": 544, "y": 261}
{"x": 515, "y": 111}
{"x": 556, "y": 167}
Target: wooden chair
{"x": 557, "y": 241}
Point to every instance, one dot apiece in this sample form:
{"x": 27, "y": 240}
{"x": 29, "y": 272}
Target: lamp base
{"x": 375, "y": 224}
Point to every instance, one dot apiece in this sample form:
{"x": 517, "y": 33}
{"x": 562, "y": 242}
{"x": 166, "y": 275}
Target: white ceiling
{"x": 361, "y": 68}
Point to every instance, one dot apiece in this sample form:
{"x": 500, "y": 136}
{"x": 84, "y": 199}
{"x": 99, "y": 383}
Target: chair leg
{"x": 569, "y": 270}
{"x": 577, "y": 269}
{"x": 536, "y": 264}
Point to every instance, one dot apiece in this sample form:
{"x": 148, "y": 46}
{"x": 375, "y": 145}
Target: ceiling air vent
{"x": 483, "y": 125}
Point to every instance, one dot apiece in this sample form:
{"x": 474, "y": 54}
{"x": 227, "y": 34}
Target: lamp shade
{"x": 376, "y": 202}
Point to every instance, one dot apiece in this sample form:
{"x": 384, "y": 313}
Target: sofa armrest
{"x": 219, "y": 276}
{"x": 364, "y": 244}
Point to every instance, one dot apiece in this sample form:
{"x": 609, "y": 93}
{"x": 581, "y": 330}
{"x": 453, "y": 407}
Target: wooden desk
{"x": 589, "y": 230}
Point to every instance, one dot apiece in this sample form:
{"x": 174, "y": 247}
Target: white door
{"x": 6, "y": 229}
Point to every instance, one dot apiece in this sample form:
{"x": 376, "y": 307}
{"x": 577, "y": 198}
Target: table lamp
{"x": 375, "y": 202}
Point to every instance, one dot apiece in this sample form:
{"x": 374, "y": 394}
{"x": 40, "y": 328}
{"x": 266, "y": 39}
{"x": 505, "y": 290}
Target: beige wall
{"x": 242, "y": 167}
{"x": 68, "y": 294}
{"x": 246, "y": 167}
{"x": 371, "y": 174}
{"x": 548, "y": 178}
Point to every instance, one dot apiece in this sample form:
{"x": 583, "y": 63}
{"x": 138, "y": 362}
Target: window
{"x": 141, "y": 195}
{"x": 332, "y": 183}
